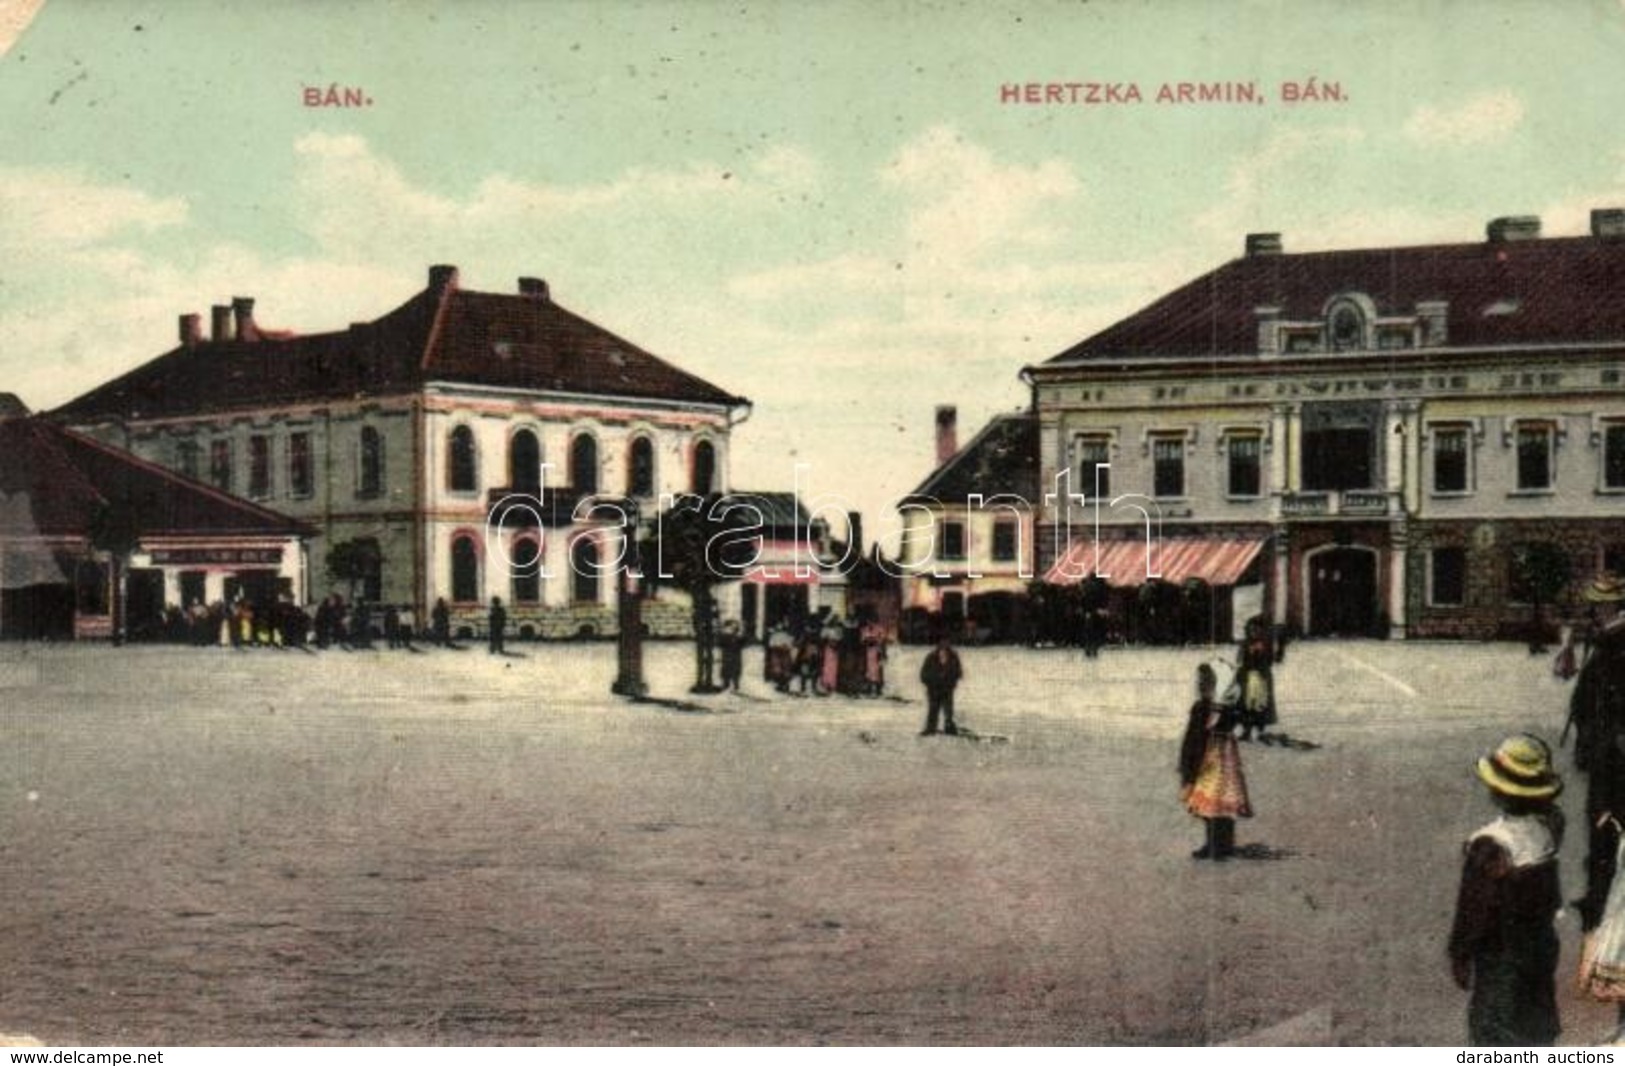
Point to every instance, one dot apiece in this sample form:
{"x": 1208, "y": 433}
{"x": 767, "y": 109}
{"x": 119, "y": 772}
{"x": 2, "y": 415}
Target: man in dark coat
{"x": 940, "y": 674}
{"x": 440, "y": 623}
{"x": 1597, "y": 716}
{"x": 732, "y": 645}
{"x": 498, "y": 622}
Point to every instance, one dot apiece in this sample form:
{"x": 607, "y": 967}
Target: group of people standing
{"x": 827, "y": 655}
{"x": 1504, "y": 944}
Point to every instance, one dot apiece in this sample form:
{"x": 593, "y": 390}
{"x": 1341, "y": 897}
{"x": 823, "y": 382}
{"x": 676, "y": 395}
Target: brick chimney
{"x": 1263, "y": 244}
{"x": 1513, "y": 228}
{"x": 854, "y": 532}
{"x": 947, "y": 433}
{"x": 442, "y": 277}
{"x": 191, "y": 330}
{"x": 535, "y": 288}
{"x": 242, "y": 311}
{"x": 220, "y": 323}
{"x": 1608, "y": 223}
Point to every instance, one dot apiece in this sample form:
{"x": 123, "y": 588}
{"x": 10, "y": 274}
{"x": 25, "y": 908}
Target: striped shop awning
{"x": 1130, "y": 563}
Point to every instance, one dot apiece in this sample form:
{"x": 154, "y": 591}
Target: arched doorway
{"x": 1341, "y": 585}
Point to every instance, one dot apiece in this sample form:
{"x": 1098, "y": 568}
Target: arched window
{"x": 705, "y": 467}
{"x": 527, "y": 576}
{"x": 584, "y": 463}
{"x": 525, "y": 463}
{"x": 584, "y": 570}
{"x": 465, "y": 570}
{"x": 371, "y": 481}
{"x": 460, "y": 460}
{"x": 640, "y": 468}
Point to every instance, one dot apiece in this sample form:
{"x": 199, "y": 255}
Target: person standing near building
{"x": 497, "y": 622}
{"x": 1255, "y": 676}
{"x": 1212, "y": 785}
{"x": 1503, "y": 942}
{"x": 778, "y": 660}
{"x": 440, "y": 623}
{"x": 1597, "y": 716}
{"x": 732, "y": 645}
{"x": 874, "y": 658}
{"x": 940, "y": 674}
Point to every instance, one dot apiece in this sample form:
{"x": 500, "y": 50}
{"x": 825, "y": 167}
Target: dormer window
{"x": 1347, "y": 328}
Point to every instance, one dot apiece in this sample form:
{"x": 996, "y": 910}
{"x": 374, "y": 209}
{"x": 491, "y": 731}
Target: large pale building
{"x": 470, "y": 444}
{"x": 1372, "y": 437}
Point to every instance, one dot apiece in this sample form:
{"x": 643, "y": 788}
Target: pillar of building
{"x": 1278, "y": 452}
{"x": 1411, "y": 411}
{"x": 1398, "y": 573}
{"x": 1281, "y": 546}
{"x": 1394, "y": 448}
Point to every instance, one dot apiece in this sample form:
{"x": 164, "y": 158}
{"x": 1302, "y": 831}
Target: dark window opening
{"x": 465, "y": 571}
{"x": 372, "y": 462}
{"x": 1449, "y": 588}
{"x": 1005, "y": 540}
{"x": 584, "y": 464}
{"x": 1339, "y": 444}
{"x": 953, "y": 541}
{"x": 461, "y": 465}
{"x": 1534, "y": 457}
{"x": 301, "y": 473}
{"x": 1094, "y": 471}
{"x": 1613, "y": 457}
{"x": 1450, "y": 460}
{"x": 525, "y": 463}
{"x": 527, "y": 577}
{"x": 1246, "y": 475}
{"x": 584, "y": 571}
{"x": 1167, "y": 466}
{"x": 220, "y": 464}
{"x": 259, "y": 466}
{"x": 705, "y": 467}
{"x": 640, "y": 477}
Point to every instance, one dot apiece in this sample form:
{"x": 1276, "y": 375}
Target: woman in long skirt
{"x": 1213, "y": 786}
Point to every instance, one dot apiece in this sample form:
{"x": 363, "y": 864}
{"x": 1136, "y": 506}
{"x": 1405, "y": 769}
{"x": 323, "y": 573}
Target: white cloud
{"x": 1482, "y": 119}
{"x": 64, "y": 210}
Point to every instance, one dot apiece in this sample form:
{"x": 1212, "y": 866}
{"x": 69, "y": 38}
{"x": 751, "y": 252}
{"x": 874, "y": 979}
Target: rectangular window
{"x": 1005, "y": 539}
{"x": 1245, "y": 474}
{"x": 259, "y": 466}
{"x": 1167, "y": 467}
{"x": 953, "y": 541}
{"x": 1094, "y": 473}
{"x": 300, "y": 473}
{"x": 1339, "y": 446}
{"x": 186, "y": 458}
{"x": 1447, "y": 581}
{"x": 1534, "y": 457}
{"x": 1450, "y": 458}
{"x": 1613, "y": 456}
{"x": 220, "y": 464}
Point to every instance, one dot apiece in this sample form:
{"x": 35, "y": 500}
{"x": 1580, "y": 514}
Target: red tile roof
{"x": 67, "y": 479}
{"x": 1542, "y": 291}
{"x": 441, "y": 334}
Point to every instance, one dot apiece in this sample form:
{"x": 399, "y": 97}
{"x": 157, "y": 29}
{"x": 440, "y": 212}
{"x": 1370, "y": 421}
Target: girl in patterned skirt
{"x": 1213, "y": 787}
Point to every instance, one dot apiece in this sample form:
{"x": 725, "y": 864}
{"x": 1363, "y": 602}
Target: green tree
{"x": 114, "y": 529}
{"x": 697, "y": 545}
{"x": 353, "y": 561}
{"x": 1540, "y": 574}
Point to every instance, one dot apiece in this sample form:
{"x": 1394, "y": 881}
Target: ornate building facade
{"x": 1376, "y": 441}
{"x": 463, "y": 446}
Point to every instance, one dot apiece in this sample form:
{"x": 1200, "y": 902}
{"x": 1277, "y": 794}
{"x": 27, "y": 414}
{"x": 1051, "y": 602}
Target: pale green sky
{"x": 823, "y": 206}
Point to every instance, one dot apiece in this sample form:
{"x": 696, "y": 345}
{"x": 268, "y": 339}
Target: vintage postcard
{"x": 763, "y": 523}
